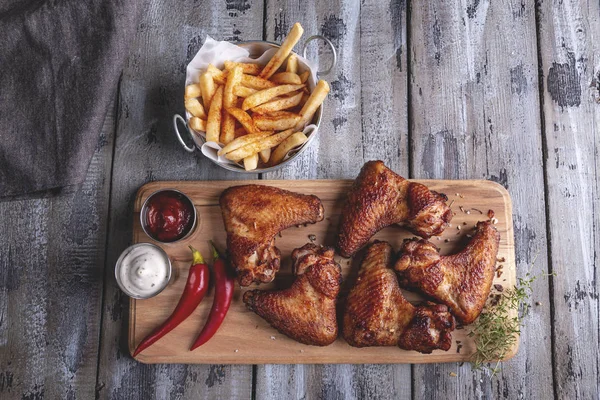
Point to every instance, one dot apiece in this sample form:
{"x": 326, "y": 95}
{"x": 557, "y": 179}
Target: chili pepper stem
{"x": 197, "y": 257}
{"x": 214, "y": 250}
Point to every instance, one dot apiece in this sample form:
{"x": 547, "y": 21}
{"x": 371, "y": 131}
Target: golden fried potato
{"x": 288, "y": 144}
{"x": 192, "y": 91}
{"x": 243, "y": 141}
{"x": 292, "y": 64}
{"x": 195, "y": 108}
{"x": 250, "y": 69}
{"x": 315, "y": 99}
{"x": 283, "y": 51}
{"x": 277, "y": 121}
{"x": 233, "y": 79}
{"x": 255, "y": 82}
{"x": 304, "y": 76}
{"x": 243, "y": 91}
{"x": 213, "y": 125}
{"x": 197, "y": 124}
{"x": 286, "y": 78}
{"x": 208, "y": 88}
{"x": 265, "y": 155}
{"x": 280, "y": 103}
{"x": 219, "y": 76}
{"x": 265, "y": 95}
{"x": 259, "y": 145}
{"x": 227, "y": 127}
{"x": 251, "y": 162}
{"x": 244, "y": 119}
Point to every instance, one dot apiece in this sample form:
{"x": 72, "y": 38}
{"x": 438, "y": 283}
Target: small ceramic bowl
{"x": 128, "y": 288}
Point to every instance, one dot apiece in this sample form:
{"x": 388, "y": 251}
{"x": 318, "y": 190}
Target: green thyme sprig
{"x": 495, "y": 332}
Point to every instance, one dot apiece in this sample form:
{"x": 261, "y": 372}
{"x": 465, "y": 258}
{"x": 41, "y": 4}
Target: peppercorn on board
{"x": 244, "y": 337}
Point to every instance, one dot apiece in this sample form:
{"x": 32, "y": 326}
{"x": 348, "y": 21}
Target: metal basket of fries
{"x": 253, "y": 106}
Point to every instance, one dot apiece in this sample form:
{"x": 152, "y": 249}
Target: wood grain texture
{"x": 569, "y": 34}
{"x": 51, "y": 261}
{"x": 475, "y": 114}
{"x": 146, "y": 149}
{"x": 360, "y": 122}
{"x": 255, "y": 341}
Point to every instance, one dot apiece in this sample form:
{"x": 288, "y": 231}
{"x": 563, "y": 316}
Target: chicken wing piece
{"x": 253, "y": 215}
{"x": 380, "y": 197}
{"x": 306, "y": 311}
{"x": 377, "y": 314}
{"x": 462, "y": 281}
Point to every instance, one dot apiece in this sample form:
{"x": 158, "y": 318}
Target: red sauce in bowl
{"x": 169, "y": 216}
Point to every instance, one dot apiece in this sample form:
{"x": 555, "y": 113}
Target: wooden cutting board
{"x": 244, "y": 337}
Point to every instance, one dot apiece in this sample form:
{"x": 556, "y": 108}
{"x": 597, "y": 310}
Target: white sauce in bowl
{"x": 143, "y": 270}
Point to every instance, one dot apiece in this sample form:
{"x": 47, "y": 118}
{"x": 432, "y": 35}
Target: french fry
{"x": 250, "y": 69}
{"x": 283, "y": 51}
{"x": 286, "y": 78}
{"x": 219, "y": 76}
{"x": 243, "y": 141}
{"x": 265, "y": 95}
{"x": 233, "y": 79}
{"x": 277, "y": 121}
{"x": 243, "y": 91}
{"x": 213, "y": 125}
{"x": 255, "y": 82}
{"x": 244, "y": 119}
{"x": 195, "y": 108}
{"x": 208, "y": 88}
{"x": 197, "y": 124}
{"x": 292, "y": 64}
{"x": 288, "y": 144}
{"x": 304, "y": 76}
{"x": 282, "y": 103}
{"x": 258, "y": 146}
{"x": 251, "y": 162}
{"x": 314, "y": 101}
{"x": 227, "y": 128}
{"x": 192, "y": 91}
{"x": 265, "y": 155}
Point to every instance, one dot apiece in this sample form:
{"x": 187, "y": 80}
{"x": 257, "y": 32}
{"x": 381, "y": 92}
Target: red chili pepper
{"x": 224, "y": 288}
{"x": 195, "y": 289}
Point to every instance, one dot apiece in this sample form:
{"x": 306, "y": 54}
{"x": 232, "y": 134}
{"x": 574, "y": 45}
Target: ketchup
{"x": 169, "y": 216}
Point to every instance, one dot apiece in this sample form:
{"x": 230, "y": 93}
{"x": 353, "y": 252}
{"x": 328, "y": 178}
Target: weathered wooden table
{"x": 502, "y": 90}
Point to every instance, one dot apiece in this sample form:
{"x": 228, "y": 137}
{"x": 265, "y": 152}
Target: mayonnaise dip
{"x": 143, "y": 270}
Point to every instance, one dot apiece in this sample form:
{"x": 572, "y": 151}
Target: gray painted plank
{"x": 569, "y": 49}
{"x": 151, "y": 91}
{"x": 51, "y": 260}
{"x": 475, "y": 114}
{"x": 365, "y": 118}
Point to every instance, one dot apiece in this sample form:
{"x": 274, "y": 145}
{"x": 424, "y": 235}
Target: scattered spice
{"x": 464, "y": 223}
{"x": 458, "y": 227}
{"x": 499, "y": 287}
{"x": 501, "y": 259}
{"x": 538, "y": 303}
{"x": 468, "y": 211}
{"x": 494, "y": 221}
{"x": 446, "y": 240}
{"x": 272, "y": 337}
{"x": 458, "y": 348}
{"x": 236, "y": 350}
{"x": 469, "y": 236}
{"x": 461, "y": 208}
{"x": 450, "y": 205}
{"x": 280, "y": 235}
{"x": 499, "y": 273}
{"x": 478, "y": 210}
{"x": 490, "y": 214}
{"x": 312, "y": 237}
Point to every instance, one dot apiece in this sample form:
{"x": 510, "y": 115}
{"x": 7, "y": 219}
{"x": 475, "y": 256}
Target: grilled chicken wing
{"x": 380, "y": 197}
{"x": 253, "y": 215}
{"x": 377, "y": 314}
{"x": 462, "y": 281}
{"x": 306, "y": 311}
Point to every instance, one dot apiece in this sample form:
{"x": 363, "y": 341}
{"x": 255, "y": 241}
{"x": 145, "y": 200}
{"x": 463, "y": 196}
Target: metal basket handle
{"x": 177, "y": 118}
{"x": 331, "y": 46}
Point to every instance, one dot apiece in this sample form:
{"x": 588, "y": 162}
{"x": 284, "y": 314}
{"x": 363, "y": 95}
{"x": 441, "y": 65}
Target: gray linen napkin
{"x": 60, "y": 62}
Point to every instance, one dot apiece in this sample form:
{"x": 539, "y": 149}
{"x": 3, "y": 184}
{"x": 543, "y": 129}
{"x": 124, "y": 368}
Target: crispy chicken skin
{"x": 462, "y": 281}
{"x": 253, "y": 215}
{"x": 380, "y": 197}
{"x": 377, "y": 314}
{"x": 306, "y": 311}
